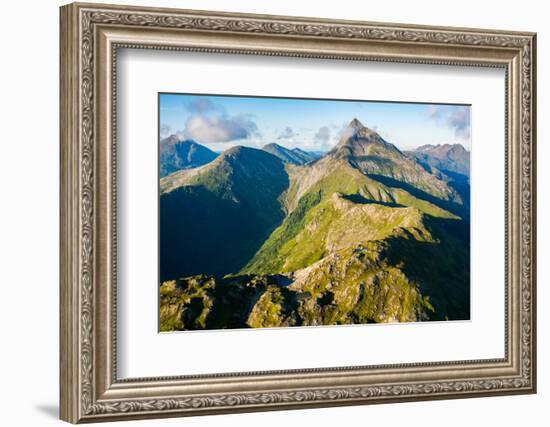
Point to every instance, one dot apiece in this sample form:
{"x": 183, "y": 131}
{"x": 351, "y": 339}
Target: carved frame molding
{"x": 90, "y": 37}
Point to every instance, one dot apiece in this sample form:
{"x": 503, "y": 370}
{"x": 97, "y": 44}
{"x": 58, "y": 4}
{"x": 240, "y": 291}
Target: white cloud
{"x": 287, "y": 133}
{"x": 322, "y": 137}
{"x": 212, "y": 129}
{"x": 456, "y": 118}
{"x": 201, "y": 105}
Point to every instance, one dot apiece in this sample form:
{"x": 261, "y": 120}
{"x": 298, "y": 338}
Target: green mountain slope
{"x": 214, "y": 218}
{"x": 320, "y": 226}
{"x": 367, "y": 151}
{"x": 336, "y": 193}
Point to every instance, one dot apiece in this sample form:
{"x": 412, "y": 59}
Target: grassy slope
{"x": 216, "y": 219}
{"x": 419, "y": 255}
{"x": 354, "y": 250}
{"x": 313, "y": 227}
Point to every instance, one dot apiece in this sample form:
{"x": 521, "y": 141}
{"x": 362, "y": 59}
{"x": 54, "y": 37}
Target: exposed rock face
{"x": 363, "y": 234}
{"x": 367, "y": 151}
{"x": 358, "y": 291}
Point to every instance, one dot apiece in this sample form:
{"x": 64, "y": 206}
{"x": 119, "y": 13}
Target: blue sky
{"x": 220, "y": 122}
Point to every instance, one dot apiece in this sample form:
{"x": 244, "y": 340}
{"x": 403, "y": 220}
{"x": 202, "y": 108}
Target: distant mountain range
{"x": 446, "y": 157}
{"x": 176, "y": 154}
{"x": 294, "y": 156}
{"x": 276, "y": 237}
{"x": 451, "y": 161}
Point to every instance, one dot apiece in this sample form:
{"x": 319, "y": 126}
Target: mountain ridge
{"x": 221, "y": 198}
{"x": 294, "y": 156}
{"x": 363, "y": 234}
{"x": 444, "y": 157}
{"x": 367, "y": 151}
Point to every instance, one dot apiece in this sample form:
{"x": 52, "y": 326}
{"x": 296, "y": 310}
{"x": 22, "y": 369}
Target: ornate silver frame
{"x": 90, "y": 36}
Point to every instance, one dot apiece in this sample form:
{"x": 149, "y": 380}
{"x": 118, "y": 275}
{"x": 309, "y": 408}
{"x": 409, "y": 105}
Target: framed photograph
{"x": 267, "y": 212}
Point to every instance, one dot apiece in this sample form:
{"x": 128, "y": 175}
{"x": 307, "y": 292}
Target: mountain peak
{"x": 358, "y": 130}
{"x": 355, "y": 124}
{"x": 272, "y": 145}
{"x": 356, "y": 138}
{"x": 176, "y": 154}
{"x": 244, "y": 154}
{"x": 236, "y": 149}
{"x": 172, "y": 139}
